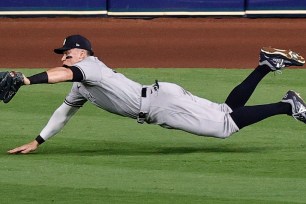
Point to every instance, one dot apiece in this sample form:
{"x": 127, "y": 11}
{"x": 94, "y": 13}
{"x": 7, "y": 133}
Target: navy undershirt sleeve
{"x": 77, "y": 74}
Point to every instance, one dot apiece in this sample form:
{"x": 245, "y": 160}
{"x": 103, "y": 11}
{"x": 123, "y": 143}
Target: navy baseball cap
{"x": 75, "y": 41}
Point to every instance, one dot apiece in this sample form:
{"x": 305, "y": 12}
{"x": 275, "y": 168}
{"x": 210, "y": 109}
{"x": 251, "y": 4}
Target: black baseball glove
{"x": 10, "y": 82}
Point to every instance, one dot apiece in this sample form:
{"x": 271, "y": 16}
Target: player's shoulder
{"x": 92, "y": 68}
{"x": 88, "y": 60}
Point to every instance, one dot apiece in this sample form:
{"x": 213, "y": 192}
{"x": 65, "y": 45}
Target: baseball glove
{"x": 10, "y": 82}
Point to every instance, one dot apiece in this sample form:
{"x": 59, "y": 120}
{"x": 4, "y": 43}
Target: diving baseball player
{"x": 162, "y": 103}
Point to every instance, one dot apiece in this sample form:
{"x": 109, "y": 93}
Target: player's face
{"x": 70, "y": 57}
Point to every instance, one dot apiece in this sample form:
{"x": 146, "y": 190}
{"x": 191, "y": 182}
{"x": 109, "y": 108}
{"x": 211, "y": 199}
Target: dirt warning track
{"x": 160, "y": 42}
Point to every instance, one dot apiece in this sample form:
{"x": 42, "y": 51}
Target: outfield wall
{"x": 175, "y": 7}
{"x": 246, "y": 8}
{"x": 275, "y": 7}
{"x": 53, "y": 7}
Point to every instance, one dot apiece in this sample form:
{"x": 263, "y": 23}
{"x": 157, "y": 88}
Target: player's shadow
{"x": 117, "y": 148}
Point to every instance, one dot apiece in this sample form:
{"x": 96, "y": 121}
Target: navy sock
{"x": 241, "y": 93}
{"x": 248, "y": 115}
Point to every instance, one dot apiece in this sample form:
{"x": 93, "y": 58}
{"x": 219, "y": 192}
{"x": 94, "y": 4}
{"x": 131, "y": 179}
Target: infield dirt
{"x": 159, "y": 42}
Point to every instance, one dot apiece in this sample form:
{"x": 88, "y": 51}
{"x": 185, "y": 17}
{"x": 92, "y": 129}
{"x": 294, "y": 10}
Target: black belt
{"x": 144, "y": 92}
{"x": 142, "y": 116}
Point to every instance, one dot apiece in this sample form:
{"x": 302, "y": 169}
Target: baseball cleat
{"x": 278, "y": 59}
{"x": 298, "y": 105}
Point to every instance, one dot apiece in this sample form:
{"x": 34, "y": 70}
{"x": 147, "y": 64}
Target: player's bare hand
{"x": 26, "y": 148}
{"x": 26, "y": 81}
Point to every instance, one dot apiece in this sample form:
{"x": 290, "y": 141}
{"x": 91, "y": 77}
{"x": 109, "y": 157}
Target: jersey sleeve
{"x": 74, "y": 98}
{"x": 57, "y": 121}
{"x": 90, "y": 70}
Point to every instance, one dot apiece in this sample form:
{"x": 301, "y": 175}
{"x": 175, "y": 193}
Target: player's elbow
{"x": 59, "y": 74}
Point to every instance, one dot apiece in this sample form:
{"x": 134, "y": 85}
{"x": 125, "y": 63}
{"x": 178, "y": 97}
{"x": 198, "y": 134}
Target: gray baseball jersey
{"x": 105, "y": 88}
{"x": 169, "y": 105}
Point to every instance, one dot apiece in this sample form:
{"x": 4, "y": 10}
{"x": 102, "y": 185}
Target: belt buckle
{"x": 141, "y": 117}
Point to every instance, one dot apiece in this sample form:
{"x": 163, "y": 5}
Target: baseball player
{"x": 162, "y": 103}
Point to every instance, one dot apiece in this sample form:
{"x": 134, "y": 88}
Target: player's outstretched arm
{"x": 57, "y": 121}
{"x": 10, "y": 82}
{"x": 24, "y": 149}
{"x": 54, "y": 75}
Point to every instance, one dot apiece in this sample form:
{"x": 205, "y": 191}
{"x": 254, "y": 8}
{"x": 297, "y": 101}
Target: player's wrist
{"x": 26, "y": 81}
{"x": 39, "y": 140}
{"x": 41, "y": 78}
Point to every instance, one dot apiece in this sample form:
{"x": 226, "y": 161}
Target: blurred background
{"x": 155, "y": 33}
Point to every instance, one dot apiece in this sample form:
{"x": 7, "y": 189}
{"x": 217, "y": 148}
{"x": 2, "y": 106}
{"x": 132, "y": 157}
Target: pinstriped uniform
{"x": 169, "y": 106}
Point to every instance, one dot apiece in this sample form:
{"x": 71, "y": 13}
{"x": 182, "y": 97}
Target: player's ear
{"x": 83, "y": 54}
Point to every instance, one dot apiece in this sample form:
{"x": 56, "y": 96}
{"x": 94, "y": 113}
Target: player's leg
{"x": 242, "y": 92}
{"x": 184, "y": 114}
{"x": 179, "y": 92}
{"x": 291, "y": 104}
{"x": 271, "y": 59}
{"x": 170, "y": 111}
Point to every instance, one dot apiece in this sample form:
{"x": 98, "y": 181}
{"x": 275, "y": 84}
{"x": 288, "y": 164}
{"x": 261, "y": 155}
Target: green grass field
{"x": 104, "y": 158}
